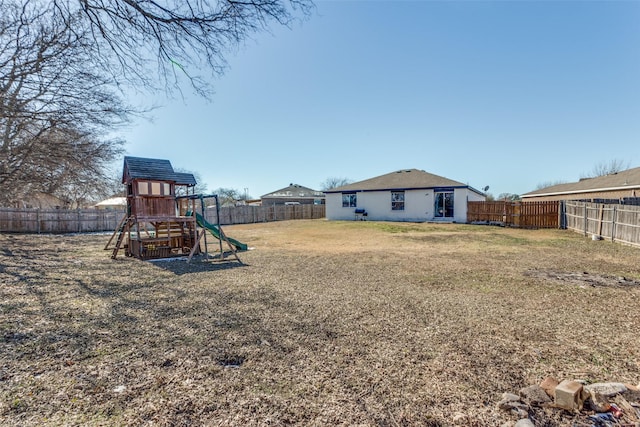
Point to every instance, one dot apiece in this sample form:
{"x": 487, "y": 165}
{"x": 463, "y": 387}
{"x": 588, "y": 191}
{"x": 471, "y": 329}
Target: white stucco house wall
{"x": 410, "y": 195}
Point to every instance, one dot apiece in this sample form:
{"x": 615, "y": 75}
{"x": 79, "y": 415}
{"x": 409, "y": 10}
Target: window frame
{"x": 397, "y": 200}
{"x": 349, "y": 200}
{"x": 149, "y": 188}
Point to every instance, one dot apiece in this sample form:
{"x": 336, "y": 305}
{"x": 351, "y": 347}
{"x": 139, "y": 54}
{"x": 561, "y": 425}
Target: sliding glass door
{"x": 444, "y": 204}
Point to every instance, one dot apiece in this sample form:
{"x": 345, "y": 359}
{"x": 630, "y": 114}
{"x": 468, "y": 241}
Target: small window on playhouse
{"x": 155, "y": 189}
{"x": 151, "y": 188}
{"x": 143, "y": 188}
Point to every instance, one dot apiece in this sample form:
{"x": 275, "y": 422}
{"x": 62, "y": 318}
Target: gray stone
{"x": 525, "y": 422}
{"x": 511, "y": 402}
{"x": 534, "y": 395}
{"x": 507, "y": 405}
{"x": 520, "y": 412}
{"x": 606, "y": 389}
{"x": 510, "y": 397}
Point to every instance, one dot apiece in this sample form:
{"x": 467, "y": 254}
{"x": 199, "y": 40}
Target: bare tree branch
{"x": 607, "y": 168}
{"x": 183, "y": 38}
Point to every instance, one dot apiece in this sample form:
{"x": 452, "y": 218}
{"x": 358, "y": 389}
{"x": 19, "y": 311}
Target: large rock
{"x": 534, "y": 395}
{"x": 606, "y": 389}
{"x": 549, "y": 385}
{"x": 511, "y": 402}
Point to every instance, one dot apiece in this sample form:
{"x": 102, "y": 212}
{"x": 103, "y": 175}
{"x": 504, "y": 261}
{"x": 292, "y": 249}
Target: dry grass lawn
{"x": 326, "y": 323}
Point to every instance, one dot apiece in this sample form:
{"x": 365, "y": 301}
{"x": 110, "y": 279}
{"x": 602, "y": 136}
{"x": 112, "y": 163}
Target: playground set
{"x": 162, "y": 219}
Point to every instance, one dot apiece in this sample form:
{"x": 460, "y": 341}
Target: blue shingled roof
{"x": 154, "y": 169}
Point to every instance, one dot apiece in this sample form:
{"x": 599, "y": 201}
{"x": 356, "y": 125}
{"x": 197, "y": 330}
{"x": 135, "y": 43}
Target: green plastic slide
{"x": 213, "y": 229}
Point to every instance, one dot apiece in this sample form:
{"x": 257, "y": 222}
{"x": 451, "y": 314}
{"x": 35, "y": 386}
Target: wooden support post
{"x": 585, "y": 218}
{"x": 193, "y": 249}
{"x": 600, "y": 220}
{"x": 613, "y": 222}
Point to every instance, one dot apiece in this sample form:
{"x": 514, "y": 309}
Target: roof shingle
{"x": 629, "y": 178}
{"x": 154, "y": 169}
{"x": 400, "y": 180}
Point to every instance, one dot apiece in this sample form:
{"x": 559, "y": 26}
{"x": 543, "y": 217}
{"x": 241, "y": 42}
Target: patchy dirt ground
{"x": 324, "y": 323}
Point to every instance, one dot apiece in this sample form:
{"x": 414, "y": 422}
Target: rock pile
{"x": 600, "y": 404}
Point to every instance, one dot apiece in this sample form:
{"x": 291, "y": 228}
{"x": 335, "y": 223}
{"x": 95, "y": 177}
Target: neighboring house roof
{"x": 625, "y": 180}
{"x": 113, "y": 201}
{"x": 294, "y": 191}
{"x": 154, "y": 169}
{"x": 405, "y": 179}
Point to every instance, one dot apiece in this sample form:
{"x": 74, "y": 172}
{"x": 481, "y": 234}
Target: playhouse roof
{"x": 154, "y": 169}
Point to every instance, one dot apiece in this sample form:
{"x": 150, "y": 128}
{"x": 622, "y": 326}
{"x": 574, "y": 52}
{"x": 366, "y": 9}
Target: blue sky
{"x": 508, "y": 94}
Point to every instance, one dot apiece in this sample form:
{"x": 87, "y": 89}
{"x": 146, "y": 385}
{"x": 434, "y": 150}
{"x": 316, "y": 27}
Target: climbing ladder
{"x": 121, "y": 230}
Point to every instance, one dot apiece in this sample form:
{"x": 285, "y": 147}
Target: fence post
{"x": 613, "y": 222}
{"x": 79, "y": 224}
{"x": 585, "y": 218}
{"x": 38, "y": 220}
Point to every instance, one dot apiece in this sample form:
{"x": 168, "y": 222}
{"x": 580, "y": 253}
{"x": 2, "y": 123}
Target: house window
{"x": 349, "y": 200}
{"x": 397, "y": 200}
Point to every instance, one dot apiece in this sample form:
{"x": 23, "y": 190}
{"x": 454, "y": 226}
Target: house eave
{"x": 591, "y": 190}
{"x": 404, "y": 189}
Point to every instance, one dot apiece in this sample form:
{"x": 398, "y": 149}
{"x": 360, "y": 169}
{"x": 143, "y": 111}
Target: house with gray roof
{"x": 616, "y": 186}
{"x": 293, "y": 194}
{"x": 405, "y": 195}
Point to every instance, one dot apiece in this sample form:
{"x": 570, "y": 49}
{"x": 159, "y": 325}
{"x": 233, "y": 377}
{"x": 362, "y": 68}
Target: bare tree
{"x": 64, "y": 163}
{"x": 510, "y": 197}
{"x": 546, "y": 184}
{"x": 200, "y": 187}
{"x": 607, "y": 168}
{"x": 228, "y": 196}
{"x": 334, "y": 182}
{"x": 53, "y": 103}
{"x": 63, "y": 64}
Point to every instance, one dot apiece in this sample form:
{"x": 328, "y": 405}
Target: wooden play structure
{"x": 162, "y": 219}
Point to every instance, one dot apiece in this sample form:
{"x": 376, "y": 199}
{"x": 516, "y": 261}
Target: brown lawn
{"x": 326, "y": 323}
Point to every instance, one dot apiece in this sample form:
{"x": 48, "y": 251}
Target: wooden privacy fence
{"x": 620, "y": 223}
{"x": 58, "y": 220}
{"x": 92, "y": 220}
{"x": 251, "y": 214}
{"x": 515, "y": 214}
